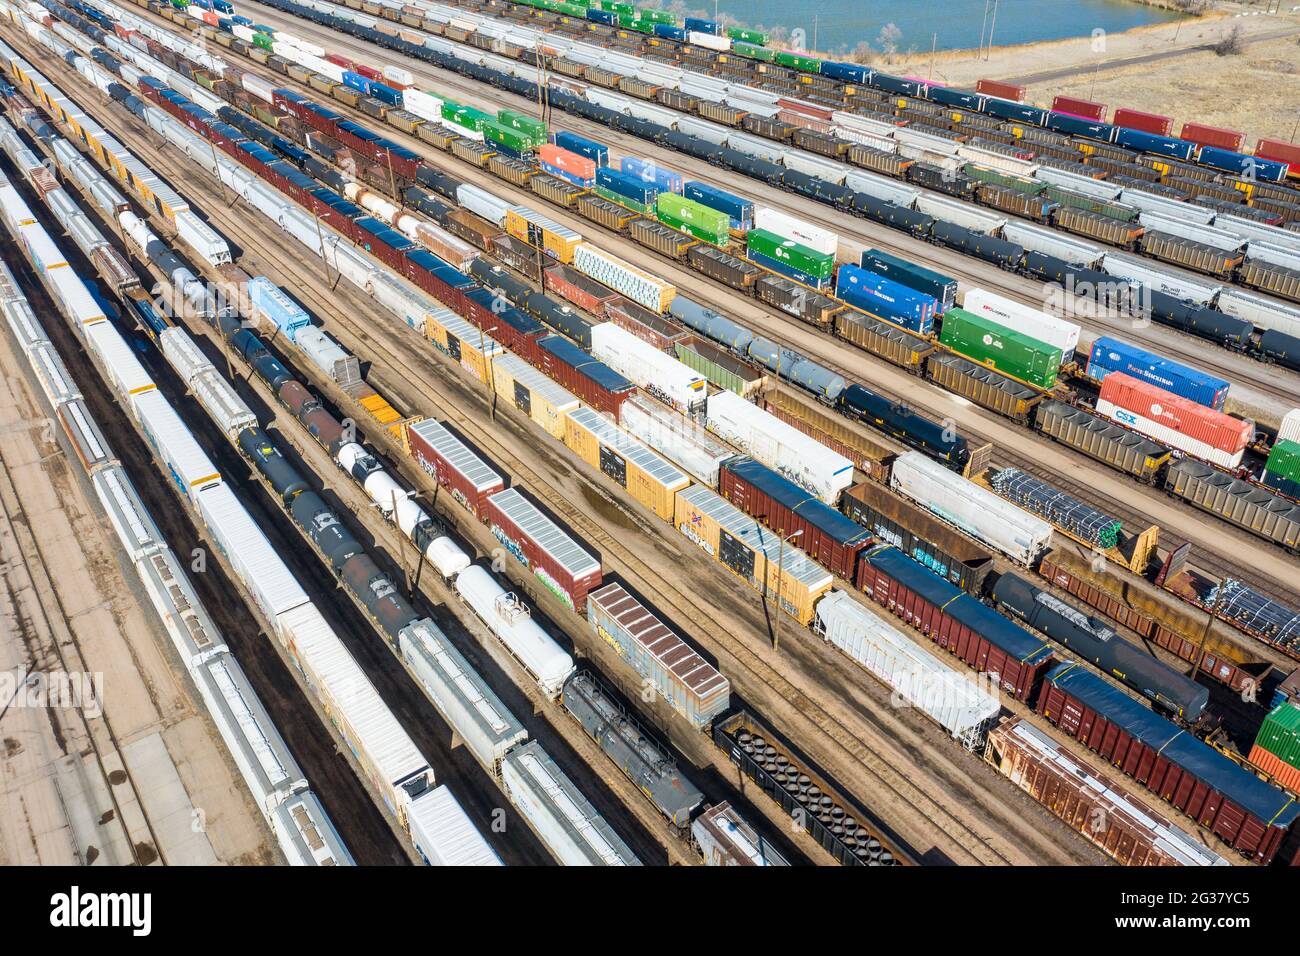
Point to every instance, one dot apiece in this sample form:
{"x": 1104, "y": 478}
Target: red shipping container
{"x": 455, "y": 466}
{"x": 339, "y": 60}
{"x": 572, "y": 163}
{"x": 579, "y": 290}
{"x": 1006, "y": 91}
{"x": 1019, "y": 678}
{"x": 1077, "y": 107}
{"x": 1146, "y": 122}
{"x": 1155, "y": 768}
{"x": 837, "y": 556}
{"x": 563, "y": 564}
{"x": 1204, "y": 135}
{"x": 1217, "y": 429}
{"x": 805, "y": 109}
{"x": 369, "y": 72}
{"x": 1279, "y": 152}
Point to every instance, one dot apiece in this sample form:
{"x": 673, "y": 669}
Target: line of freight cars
{"x": 1243, "y": 503}
{"x": 1177, "y": 248}
{"x": 302, "y": 827}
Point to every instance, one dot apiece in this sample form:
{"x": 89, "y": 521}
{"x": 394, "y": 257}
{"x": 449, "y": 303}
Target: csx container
{"x": 823, "y": 533}
{"x": 919, "y": 535}
{"x": 691, "y": 685}
{"x": 454, "y": 465}
{"x": 955, "y": 620}
{"x": 965, "y": 711}
{"x": 914, "y": 311}
{"x": 1250, "y": 506}
{"x": 1001, "y": 348}
{"x": 973, "y": 509}
{"x": 603, "y": 445}
{"x": 1021, "y": 318}
{"x": 1250, "y": 815}
{"x": 1101, "y": 439}
{"x": 941, "y": 287}
{"x": 702, "y": 222}
{"x": 781, "y": 447}
{"x": 658, "y": 373}
{"x": 637, "y": 285}
{"x": 752, "y": 552}
{"x": 1175, "y": 421}
{"x": 1111, "y": 355}
{"x": 1117, "y": 822}
{"x": 519, "y": 384}
{"x": 739, "y": 210}
{"x": 560, "y": 563}
{"x": 542, "y": 232}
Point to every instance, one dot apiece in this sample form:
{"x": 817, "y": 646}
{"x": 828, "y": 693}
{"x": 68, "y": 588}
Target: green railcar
{"x": 1001, "y": 349}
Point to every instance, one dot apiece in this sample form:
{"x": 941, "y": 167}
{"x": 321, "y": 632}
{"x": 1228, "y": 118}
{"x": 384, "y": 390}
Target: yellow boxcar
{"x": 519, "y": 384}
{"x": 603, "y": 445}
{"x": 464, "y": 342}
{"x": 542, "y": 232}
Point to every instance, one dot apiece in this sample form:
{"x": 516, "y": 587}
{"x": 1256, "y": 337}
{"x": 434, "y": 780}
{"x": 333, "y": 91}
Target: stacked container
{"x": 1282, "y": 471}
{"x": 647, "y": 171}
{"x": 1277, "y": 747}
{"x": 1002, "y": 349}
{"x": 790, "y": 258}
{"x": 597, "y": 152}
{"x": 872, "y": 292}
{"x": 1111, "y": 355}
{"x": 941, "y": 287}
{"x": 1027, "y": 321}
{"x": 1175, "y": 421}
{"x": 622, "y": 188}
{"x": 568, "y": 165}
{"x": 739, "y": 210}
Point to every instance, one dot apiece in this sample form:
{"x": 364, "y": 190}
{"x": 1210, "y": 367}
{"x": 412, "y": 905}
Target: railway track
{"x": 1278, "y": 384}
{"x": 1273, "y": 578}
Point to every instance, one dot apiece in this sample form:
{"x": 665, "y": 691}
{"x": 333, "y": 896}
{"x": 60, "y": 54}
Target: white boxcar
{"x": 679, "y": 439}
{"x": 783, "y": 448}
{"x": 1024, "y": 319}
{"x": 202, "y": 238}
{"x": 512, "y": 623}
{"x": 657, "y": 372}
{"x": 473, "y": 710}
{"x": 572, "y": 829}
{"x": 444, "y": 835}
{"x": 948, "y": 696}
{"x": 1259, "y": 310}
{"x": 726, "y": 839}
{"x": 806, "y": 234}
{"x": 482, "y": 203}
{"x": 254, "y": 560}
{"x": 183, "y": 353}
{"x": 976, "y": 510}
{"x": 182, "y": 458}
{"x": 961, "y": 213}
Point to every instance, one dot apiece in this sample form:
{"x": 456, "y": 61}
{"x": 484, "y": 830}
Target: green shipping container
{"x": 1284, "y": 460}
{"x": 1006, "y": 351}
{"x": 756, "y": 52}
{"x": 264, "y": 40}
{"x": 818, "y": 264}
{"x": 1280, "y": 733}
{"x": 1075, "y": 200}
{"x": 795, "y": 61}
{"x": 614, "y": 6}
{"x": 650, "y": 15}
{"x": 511, "y": 139}
{"x": 747, "y": 36}
{"x": 534, "y": 129}
{"x": 700, "y": 221}
{"x": 1030, "y": 187}
{"x": 624, "y": 201}
{"x": 571, "y": 9}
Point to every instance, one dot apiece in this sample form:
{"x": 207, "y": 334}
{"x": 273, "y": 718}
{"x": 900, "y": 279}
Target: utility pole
{"x": 392, "y": 177}
{"x": 1205, "y": 636}
{"x": 934, "y": 48}
{"x": 320, "y": 237}
{"x": 780, "y": 566}
{"x": 993, "y": 25}
{"x": 490, "y": 383}
{"x": 979, "y": 55}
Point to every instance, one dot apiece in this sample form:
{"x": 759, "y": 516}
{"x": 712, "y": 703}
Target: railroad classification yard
{"x": 518, "y": 432}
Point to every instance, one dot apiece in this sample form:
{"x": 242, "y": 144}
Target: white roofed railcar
{"x": 1181, "y": 286}
{"x": 254, "y": 560}
{"x": 779, "y": 446}
{"x": 563, "y": 818}
{"x": 127, "y": 376}
{"x": 512, "y": 623}
{"x": 181, "y": 457}
{"x": 473, "y": 709}
{"x": 975, "y": 510}
{"x": 126, "y": 513}
{"x": 306, "y": 833}
{"x": 648, "y": 367}
{"x": 444, "y": 835}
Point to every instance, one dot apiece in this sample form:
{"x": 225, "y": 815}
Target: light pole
{"x": 490, "y": 382}
{"x": 780, "y": 565}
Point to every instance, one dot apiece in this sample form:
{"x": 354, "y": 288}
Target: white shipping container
{"x": 1032, "y": 322}
{"x": 473, "y": 710}
{"x": 1195, "y": 231}
{"x": 422, "y": 104}
{"x": 1179, "y": 286}
{"x": 221, "y": 402}
{"x": 708, "y": 40}
{"x": 1261, "y": 311}
{"x": 977, "y": 511}
{"x": 961, "y": 213}
{"x": 948, "y": 696}
{"x": 250, "y": 554}
{"x": 1051, "y": 242}
{"x": 513, "y": 624}
{"x": 657, "y": 372}
{"x": 182, "y": 458}
{"x": 444, "y": 835}
{"x": 183, "y": 353}
{"x": 1169, "y": 436}
{"x": 779, "y": 446}
{"x": 1290, "y": 428}
{"x": 397, "y": 74}
{"x": 679, "y": 439}
{"x": 806, "y": 234}
{"x": 1150, "y": 202}
{"x": 200, "y": 237}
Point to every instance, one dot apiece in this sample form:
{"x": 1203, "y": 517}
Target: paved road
{"x": 1050, "y": 76}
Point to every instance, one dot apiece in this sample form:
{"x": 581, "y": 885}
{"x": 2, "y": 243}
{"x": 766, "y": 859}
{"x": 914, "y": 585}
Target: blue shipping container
{"x": 1242, "y": 165}
{"x": 356, "y": 81}
{"x": 648, "y": 171}
{"x": 959, "y": 98}
{"x": 569, "y": 177}
{"x": 886, "y": 298}
{"x": 1154, "y": 143}
{"x": 740, "y": 210}
{"x": 943, "y": 288}
{"x": 278, "y": 307}
{"x": 583, "y": 146}
{"x": 1017, "y": 112}
{"x": 848, "y": 72}
{"x": 1079, "y": 126}
{"x": 669, "y": 32}
{"x": 625, "y": 185}
{"x": 700, "y": 25}
{"x": 785, "y": 269}
{"x": 1111, "y": 355}
{"x": 386, "y": 94}
{"x": 602, "y": 16}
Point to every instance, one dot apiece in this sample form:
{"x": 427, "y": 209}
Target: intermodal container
{"x": 597, "y": 152}
{"x": 1284, "y": 460}
{"x": 1111, "y": 355}
{"x": 1001, "y": 349}
{"x": 1215, "y": 136}
{"x": 1007, "y": 91}
{"x": 955, "y": 620}
{"x": 1175, "y": 421}
{"x": 1279, "y": 152}
{"x": 739, "y": 210}
{"x": 1078, "y": 107}
{"x": 1145, "y": 122}
{"x": 935, "y": 284}
{"x": 702, "y": 222}
{"x": 790, "y": 253}
{"x": 574, "y": 164}
{"x": 648, "y": 171}
{"x": 622, "y": 184}
{"x": 874, "y": 293}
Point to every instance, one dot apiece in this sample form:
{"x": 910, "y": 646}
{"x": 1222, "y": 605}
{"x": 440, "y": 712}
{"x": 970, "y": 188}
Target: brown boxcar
{"x": 581, "y": 291}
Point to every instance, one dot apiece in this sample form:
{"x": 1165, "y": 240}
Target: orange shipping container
{"x": 571, "y": 162}
{"x": 1273, "y": 765}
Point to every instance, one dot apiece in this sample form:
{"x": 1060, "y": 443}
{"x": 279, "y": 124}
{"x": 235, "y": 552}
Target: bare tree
{"x": 888, "y": 39}
{"x": 1232, "y": 43}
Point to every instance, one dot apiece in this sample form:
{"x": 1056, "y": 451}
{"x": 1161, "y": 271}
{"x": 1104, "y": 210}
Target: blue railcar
{"x": 848, "y": 72}
{"x": 740, "y": 210}
{"x": 1111, "y": 355}
{"x": 583, "y": 146}
{"x": 1241, "y": 164}
{"x": 941, "y": 287}
{"x": 386, "y": 94}
{"x": 1079, "y": 126}
{"x": 899, "y": 84}
{"x": 1016, "y": 112}
{"x": 356, "y": 81}
{"x": 894, "y": 418}
{"x": 607, "y": 17}
{"x": 886, "y": 298}
{"x": 669, "y": 32}
{"x": 962, "y": 99}
{"x": 1154, "y": 143}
